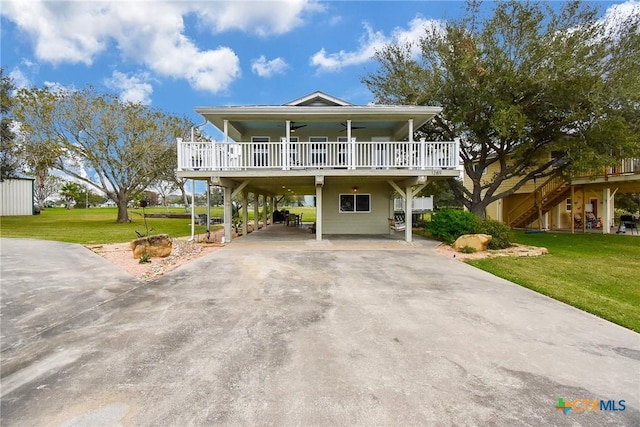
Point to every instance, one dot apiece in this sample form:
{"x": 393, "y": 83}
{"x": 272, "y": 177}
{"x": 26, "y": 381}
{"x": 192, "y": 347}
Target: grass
{"x": 91, "y": 226}
{"x": 98, "y": 225}
{"x": 596, "y": 273}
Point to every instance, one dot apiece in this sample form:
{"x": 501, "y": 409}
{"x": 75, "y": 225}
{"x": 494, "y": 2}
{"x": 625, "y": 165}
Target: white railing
{"x": 424, "y": 203}
{"x": 219, "y": 156}
{"x": 625, "y": 167}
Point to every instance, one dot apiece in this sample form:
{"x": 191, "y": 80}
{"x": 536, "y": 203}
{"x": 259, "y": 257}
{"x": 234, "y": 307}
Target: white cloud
{"x": 335, "y": 20}
{"x": 617, "y": 13}
{"x": 369, "y": 43}
{"x": 264, "y": 68}
{"x": 135, "y": 88}
{"x": 259, "y": 17}
{"x": 57, "y": 87}
{"x": 372, "y": 41}
{"x": 19, "y": 79}
{"x": 151, "y": 33}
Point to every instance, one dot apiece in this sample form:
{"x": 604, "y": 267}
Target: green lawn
{"x": 92, "y": 226}
{"x": 98, "y": 225}
{"x": 596, "y": 273}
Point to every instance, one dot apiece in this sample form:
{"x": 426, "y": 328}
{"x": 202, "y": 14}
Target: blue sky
{"x": 180, "y": 54}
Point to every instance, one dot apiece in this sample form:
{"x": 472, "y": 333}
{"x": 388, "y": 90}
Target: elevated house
{"x": 352, "y": 158}
{"x": 557, "y": 203}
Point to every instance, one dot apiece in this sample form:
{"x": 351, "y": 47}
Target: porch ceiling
{"x": 305, "y": 185}
{"x": 243, "y": 119}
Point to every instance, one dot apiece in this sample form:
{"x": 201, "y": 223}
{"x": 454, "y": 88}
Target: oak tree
{"x": 530, "y": 90}
{"x": 117, "y": 148}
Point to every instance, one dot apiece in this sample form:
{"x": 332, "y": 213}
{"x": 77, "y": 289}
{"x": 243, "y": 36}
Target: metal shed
{"x": 16, "y": 196}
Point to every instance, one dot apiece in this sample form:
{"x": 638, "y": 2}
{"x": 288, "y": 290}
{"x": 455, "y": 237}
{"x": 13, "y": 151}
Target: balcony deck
{"x": 433, "y": 157}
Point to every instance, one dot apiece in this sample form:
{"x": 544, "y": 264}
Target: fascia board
{"x": 420, "y": 114}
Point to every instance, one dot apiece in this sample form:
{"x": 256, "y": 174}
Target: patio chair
{"x": 577, "y": 221}
{"x": 397, "y": 223}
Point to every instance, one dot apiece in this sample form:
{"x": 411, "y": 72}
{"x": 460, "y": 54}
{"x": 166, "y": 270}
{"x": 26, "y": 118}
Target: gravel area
{"x": 183, "y": 251}
{"x": 514, "y": 251}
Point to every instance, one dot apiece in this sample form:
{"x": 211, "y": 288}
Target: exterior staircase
{"x": 546, "y": 196}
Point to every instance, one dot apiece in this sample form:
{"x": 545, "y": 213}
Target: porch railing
{"x": 222, "y": 156}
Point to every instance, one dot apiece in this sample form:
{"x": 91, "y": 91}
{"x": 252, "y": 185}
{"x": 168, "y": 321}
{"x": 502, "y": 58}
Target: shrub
{"x": 449, "y": 224}
{"x": 501, "y": 233}
{"x": 467, "y": 250}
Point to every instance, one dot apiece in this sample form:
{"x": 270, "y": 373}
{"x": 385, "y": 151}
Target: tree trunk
{"x": 479, "y": 208}
{"x": 123, "y": 214}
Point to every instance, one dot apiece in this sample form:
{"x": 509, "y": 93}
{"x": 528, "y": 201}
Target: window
{"x": 568, "y": 205}
{"x": 476, "y": 167}
{"x": 355, "y": 203}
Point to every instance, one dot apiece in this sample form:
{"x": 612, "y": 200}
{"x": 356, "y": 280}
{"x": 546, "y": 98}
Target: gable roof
{"x": 318, "y": 99}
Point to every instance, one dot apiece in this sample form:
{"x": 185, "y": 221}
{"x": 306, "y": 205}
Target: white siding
{"x": 374, "y": 222}
{"x": 16, "y": 197}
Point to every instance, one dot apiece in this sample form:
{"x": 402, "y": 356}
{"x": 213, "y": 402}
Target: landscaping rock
{"x": 155, "y": 246}
{"x": 479, "y": 242}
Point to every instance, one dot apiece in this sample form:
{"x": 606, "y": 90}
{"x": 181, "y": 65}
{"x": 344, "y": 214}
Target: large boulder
{"x": 155, "y": 246}
{"x": 479, "y": 242}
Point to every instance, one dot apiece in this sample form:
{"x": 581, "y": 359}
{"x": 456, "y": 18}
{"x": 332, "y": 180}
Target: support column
{"x": 193, "y": 209}
{"x": 245, "y": 213}
{"x": 559, "y": 208}
{"x": 573, "y": 203}
{"x": 228, "y": 213}
{"x": 408, "y": 214}
{"x": 265, "y": 214}
{"x": 392, "y": 210}
{"x": 208, "y": 206}
{"x": 318, "y": 212}
{"x": 274, "y": 206}
{"x": 545, "y": 221}
{"x": 606, "y": 207}
{"x": 256, "y": 212}
{"x": 584, "y": 211}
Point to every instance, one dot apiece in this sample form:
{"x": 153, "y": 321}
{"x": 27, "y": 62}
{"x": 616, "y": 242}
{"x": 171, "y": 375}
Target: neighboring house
{"x": 353, "y": 159}
{"x": 556, "y": 203}
{"x": 16, "y": 196}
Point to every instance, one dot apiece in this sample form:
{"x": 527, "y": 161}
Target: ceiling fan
{"x": 352, "y": 127}
{"x": 294, "y": 127}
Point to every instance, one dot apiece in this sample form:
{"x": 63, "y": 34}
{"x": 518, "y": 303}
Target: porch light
{"x": 355, "y": 189}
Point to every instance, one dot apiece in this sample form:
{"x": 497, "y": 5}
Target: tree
{"x": 51, "y": 186}
{"x": 115, "y": 147}
{"x": 518, "y": 85}
{"x": 9, "y": 149}
{"x": 628, "y": 202}
{"x": 79, "y": 196}
{"x": 71, "y": 192}
{"x": 163, "y": 189}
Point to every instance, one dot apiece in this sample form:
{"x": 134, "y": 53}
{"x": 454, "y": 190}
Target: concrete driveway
{"x": 339, "y": 332}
